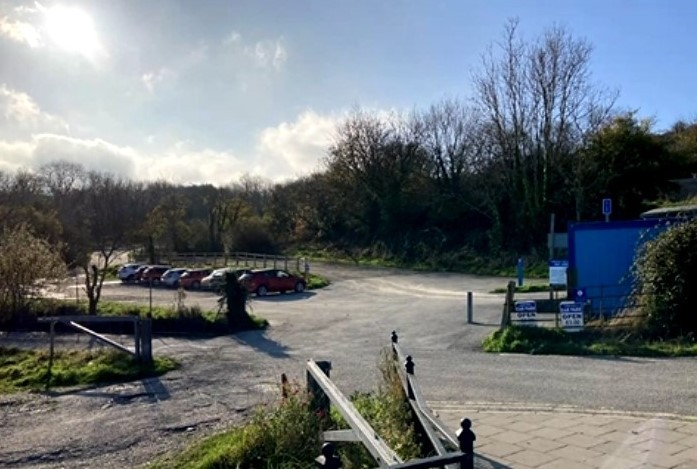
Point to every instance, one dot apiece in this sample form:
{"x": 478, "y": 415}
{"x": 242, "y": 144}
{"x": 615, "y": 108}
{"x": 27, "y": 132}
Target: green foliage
{"x": 27, "y": 263}
{"x": 26, "y": 369}
{"x": 234, "y": 298}
{"x": 548, "y": 341}
{"x": 286, "y": 436}
{"x": 186, "y": 319}
{"x": 666, "y": 274}
{"x": 315, "y": 281}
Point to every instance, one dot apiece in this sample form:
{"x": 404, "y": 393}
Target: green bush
{"x": 548, "y": 341}
{"x": 665, "y": 272}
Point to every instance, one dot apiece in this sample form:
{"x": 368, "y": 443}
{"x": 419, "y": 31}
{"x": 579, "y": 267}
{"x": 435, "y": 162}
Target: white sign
{"x": 571, "y": 315}
{"x": 526, "y": 311}
{"x": 557, "y": 272}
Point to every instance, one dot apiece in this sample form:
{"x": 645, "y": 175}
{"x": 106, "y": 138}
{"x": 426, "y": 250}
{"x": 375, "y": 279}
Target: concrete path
{"x": 546, "y": 438}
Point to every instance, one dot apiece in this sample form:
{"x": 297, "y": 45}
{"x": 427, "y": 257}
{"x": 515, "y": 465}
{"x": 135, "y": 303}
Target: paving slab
{"x": 579, "y": 439}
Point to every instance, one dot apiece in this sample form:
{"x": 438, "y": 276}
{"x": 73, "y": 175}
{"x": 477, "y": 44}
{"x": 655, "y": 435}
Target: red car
{"x": 153, "y": 274}
{"x": 263, "y": 281}
{"x": 191, "y": 279}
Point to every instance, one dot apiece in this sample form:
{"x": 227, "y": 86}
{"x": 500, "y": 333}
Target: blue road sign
{"x": 607, "y": 206}
{"x": 580, "y": 295}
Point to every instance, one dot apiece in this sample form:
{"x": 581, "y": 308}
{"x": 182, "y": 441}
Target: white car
{"x": 127, "y": 272}
{"x": 171, "y": 277}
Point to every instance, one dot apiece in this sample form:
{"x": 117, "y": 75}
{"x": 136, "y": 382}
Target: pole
{"x": 469, "y": 307}
{"x": 551, "y": 237}
{"x": 50, "y": 356}
{"x": 150, "y": 284}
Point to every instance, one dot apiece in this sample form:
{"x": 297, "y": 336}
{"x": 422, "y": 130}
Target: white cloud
{"x": 283, "y": 152}
{"x": 153, "y": 79}
{"x": 233, "y": 38}
{"x": 301, "y": 145}
{"x": 22, "y": 112}
{"x": 268, "y": 53}
{"x": 20, "y": 31}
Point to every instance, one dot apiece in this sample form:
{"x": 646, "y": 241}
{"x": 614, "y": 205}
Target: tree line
{"x": 461, "y": 178}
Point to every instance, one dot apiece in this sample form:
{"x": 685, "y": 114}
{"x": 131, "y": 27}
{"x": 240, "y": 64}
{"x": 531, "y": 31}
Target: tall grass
{"x": 287, "y": 435}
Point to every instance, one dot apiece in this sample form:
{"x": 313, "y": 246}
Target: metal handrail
{"x": 377, "y": 447}
{"x": 424, "y": 413}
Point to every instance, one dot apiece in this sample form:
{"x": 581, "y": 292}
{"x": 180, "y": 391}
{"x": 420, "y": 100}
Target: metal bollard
{"x": 328, "y": 459}
{"x": 466, "y": 438}
{"x": 469, "y": 307}
{"x": 409, "y": 365}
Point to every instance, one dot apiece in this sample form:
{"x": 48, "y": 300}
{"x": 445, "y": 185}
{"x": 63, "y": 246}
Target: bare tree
{"x": 539, "y": 105}
{"x": 27, "y": 262}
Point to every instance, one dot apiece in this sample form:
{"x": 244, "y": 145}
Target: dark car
{"x": 191, "y": 279}
{"x": 138, "y": 274}
{"x": 154, "y": 274}
{"x": 263, "y": 281}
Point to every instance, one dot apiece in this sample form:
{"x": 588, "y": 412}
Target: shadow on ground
{"x": 258, "y": 341}
{"x": 153, "y": 389}
{"x": 282, "y": 297}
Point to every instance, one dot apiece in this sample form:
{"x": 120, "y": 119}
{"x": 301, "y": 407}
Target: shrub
{"x": 666, "y": 274}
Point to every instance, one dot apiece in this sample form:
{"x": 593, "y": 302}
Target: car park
{"x": 153, "y": 274}
{"x": 171, "y": 277}
{"x": 263, "y": 281}
{"x": 127, "y": 272}
{"x": 191, "y": 279}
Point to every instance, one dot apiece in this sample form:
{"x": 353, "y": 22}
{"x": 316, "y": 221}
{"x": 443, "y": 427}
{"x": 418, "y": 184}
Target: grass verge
{"x": 464, "y": 260}
{"x": 548, "y": 341}
{"x": 315, "y": 282}
{"x": 526, "y": 289}
{"x": 165, "y": 320}
{"x": 22, "y": 370}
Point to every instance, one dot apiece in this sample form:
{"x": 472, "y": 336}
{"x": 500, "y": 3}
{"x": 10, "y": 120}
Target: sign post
{"x": 526, "y": 312}
{"x": 571, "y": 315}
{"x": 607, "y": 209}
{"x": 557, "y": 272}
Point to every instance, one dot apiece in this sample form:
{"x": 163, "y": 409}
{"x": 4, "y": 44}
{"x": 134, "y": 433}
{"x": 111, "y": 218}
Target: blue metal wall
{"x": 601, "y": 255}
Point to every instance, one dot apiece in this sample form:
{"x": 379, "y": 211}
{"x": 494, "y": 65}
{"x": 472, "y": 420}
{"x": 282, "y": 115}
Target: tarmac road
{"x": 349, "y": 324}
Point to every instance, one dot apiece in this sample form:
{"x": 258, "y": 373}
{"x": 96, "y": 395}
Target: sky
{"x": 197, "y": 92}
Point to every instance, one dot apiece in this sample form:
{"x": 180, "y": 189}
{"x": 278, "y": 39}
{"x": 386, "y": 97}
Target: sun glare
{"x": 73, "y": 30}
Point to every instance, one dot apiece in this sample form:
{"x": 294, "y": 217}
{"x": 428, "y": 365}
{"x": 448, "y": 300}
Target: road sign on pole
{"x": 607, "y": 208}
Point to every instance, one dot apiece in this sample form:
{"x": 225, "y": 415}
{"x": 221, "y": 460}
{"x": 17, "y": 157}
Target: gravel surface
{"x": 349, "y": 323}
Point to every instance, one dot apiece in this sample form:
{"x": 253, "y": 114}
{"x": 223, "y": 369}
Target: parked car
{"x": 154, "y": 274}
{"x": 263, "y": 281}
{"x": 171, "y": 277}
{"x": 216, "y": 279}
{"x": 139, "y": 272}
{"x": 127, "y": 272}
{"x": 191, "y": 279}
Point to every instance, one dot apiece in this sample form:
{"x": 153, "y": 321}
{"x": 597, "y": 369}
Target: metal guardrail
{"x": 431, "y": 424}
{"x": 248, "y": 259}
{"x": 142, "y": 332}
{"x": 377, "y": 447}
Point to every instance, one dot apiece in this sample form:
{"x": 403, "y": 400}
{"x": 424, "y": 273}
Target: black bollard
{"x": 465, "y": 438}
{"x": 409, "y": 365}
{"x": 328, "y": 460}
